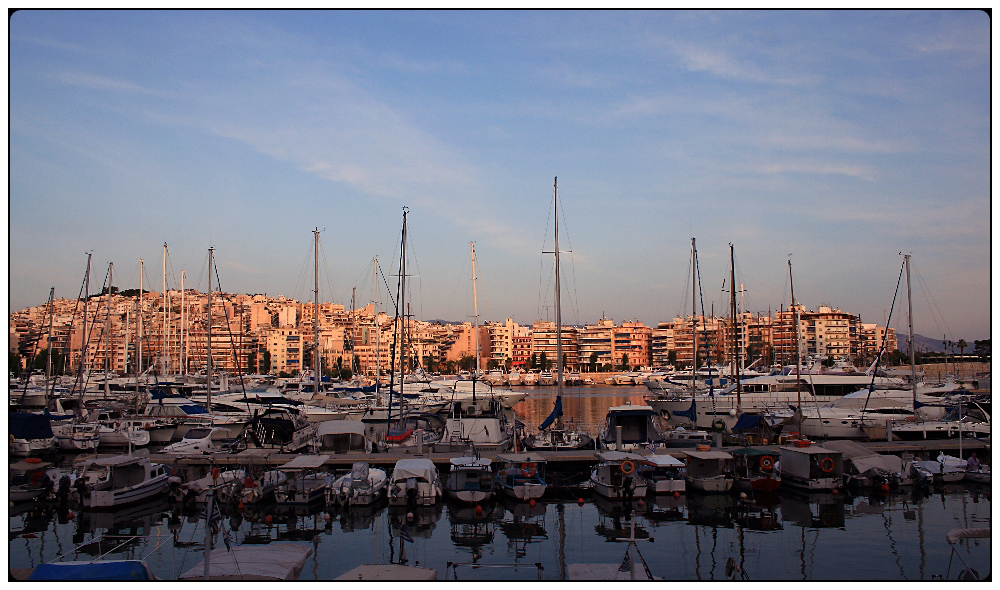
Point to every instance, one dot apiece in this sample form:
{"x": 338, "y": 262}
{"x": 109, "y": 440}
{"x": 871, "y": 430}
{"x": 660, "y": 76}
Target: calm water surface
{"x": 899, "y": 536}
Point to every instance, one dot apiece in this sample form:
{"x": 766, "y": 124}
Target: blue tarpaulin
{"x": 27, "y": 426}
{"x": 747, "y": 422}
{"x": 92, "y": 571}
{"x": 691, "y": 414}
{"x": 556, "y": 412}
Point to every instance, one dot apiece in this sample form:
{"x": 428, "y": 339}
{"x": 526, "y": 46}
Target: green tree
{"x": 672, "y": 356}
{"x": 467, "y": 363}
{"x": 534, "y": 361}
{"x": 545, "y": 362}
{"x": 14, "y": 360}
{"x": 493, "y": 364}
{"x": 962, "y": 345}
{"x": 39, "y": 362}
{"x": 593, "y": 362}
{"x": 265, "y": 363}
{"x": 625, "y": 366}
{"x": 345, "y": 374}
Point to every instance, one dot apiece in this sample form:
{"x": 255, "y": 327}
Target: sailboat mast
{"x": 909, "y": 336}
{"x": 107, "y": 332}
{"x": 316, "y": 358}
{"x": 165, "y": 354}
{"x": 208, "y": 356}
{"x": 798, "y": 352}
{"x": 378, "y": 330}
{"x": 475, "y": 308}
{"x": 48, "y": 353}
{"x": 559, "y": 353}
{"x": 85, "y": 341}
{"x": 736, "y": 334}
{"x": 138, "y": 326}
{"x": 181, "y": 353}
{"x": 694, "y": 316}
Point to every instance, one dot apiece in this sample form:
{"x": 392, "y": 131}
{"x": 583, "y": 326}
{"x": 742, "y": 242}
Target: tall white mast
{"x": 165, "y": 352}
{"x": 208, "y": 356}
{"x": 181, "y": 353}
{"x": 559, "y": 354}
{"x": 138, "y": 326}
{"x": 475, "y": 307}
{"x": 48, "y": 355}
{"x": 378, "y": 330}
{"x": 107, "y": 332}
{"x": 316, "y": 357}
{"x": 913, "y": 352}
{"x": 798, "y": 349}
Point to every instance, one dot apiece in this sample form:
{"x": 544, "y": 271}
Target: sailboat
{"x": 552, "y": 434}
{"x": 482, "y": 423}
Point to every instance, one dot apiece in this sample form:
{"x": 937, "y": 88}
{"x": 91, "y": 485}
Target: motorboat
{"x": 110, "y": 482}
{"x": 470, "y": 479}
{"x": 665, "y": 474}
{"x": 628, "y": 428}
{"x": 344, "y": 436}
{"x": 864, "y": 468}
{"x": 414, "y": 482}
{"x": 299, "y": 489}
{"x": 29, "y": 479}
{"x": 470, "y": 424}
{"x": 811, "y": 467}
{"x": 284, "y": 429}
{"x": 260, "y": 489}
{"x": 680, "y": 437}
{"x": 709, "y": 471}
{"x": 754, "y": 469}
{"x": 222, "y": 484}
{"x": 616, "y": 475}
{"x": 363, "y": 486}
{"x": 521, "y": 475}
{"x": 202, "y": 441}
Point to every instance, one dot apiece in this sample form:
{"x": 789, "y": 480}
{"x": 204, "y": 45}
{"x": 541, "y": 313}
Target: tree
{"x": 672, "y": 356}
{"x": 467, "y": 363}
{"x": 545, "y": 362}
{"x": 625, "y": 366}
{"x": 983, "y": 348}
{"x": 962, "y": 345}
{"x": 15, "y": 363}
{"x": 492, "y": 365}
{"x": 593, "y": 362}
{"x": 265, "y": 364}
{"x": 534, "y": 361}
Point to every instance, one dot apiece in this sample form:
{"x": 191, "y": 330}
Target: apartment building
{"x": 544, "y": 341}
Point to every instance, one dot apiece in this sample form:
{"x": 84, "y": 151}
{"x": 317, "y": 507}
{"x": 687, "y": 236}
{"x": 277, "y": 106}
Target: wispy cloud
{"x": 94, "y": 82}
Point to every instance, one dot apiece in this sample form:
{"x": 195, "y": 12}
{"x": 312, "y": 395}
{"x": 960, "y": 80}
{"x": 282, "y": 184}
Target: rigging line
{"x": 386, "y": 283}
{"x": 931, "y": 304}
{"x": 232, "y": 341}
{"x": 885, "y": 336}
{"x": 299, "y": 292}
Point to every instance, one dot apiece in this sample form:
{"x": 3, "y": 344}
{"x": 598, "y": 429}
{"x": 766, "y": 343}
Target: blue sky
{"x": 842, "y": 138}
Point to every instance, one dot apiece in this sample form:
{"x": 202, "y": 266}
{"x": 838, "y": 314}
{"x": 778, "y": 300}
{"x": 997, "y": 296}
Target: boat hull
{"x": 128, "y": 495}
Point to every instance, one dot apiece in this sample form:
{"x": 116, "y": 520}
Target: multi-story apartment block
{"x": 544, "y": 342}
{"x": 661, "y": 344}
{"x": 710, "y": 332}
{"x": 872, "y": 338}
{"x": 521, "y": 347}
{"x": 501, "y": 342}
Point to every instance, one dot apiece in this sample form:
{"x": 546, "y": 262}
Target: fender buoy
{"x": 529, "y": 469}
{"x": 826, "y": 464}
{"x": 828, "y": 519}
{"x": 215, "y": 473}
{"x": 766, "y": 462}
{"x": 719, "y": 425}
{"x": 30, "y": 459}
{"x": 628, "y": 467}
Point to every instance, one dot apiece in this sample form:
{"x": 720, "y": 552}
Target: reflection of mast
{"x": 560, "y": 509}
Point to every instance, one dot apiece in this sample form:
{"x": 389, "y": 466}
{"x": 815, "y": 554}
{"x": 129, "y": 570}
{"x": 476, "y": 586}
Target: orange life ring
{"x": 628, "y": 467}
{"x": 826, "y": 464}
{"x": 528, "y": 469}
{"x": 767, "y": 462}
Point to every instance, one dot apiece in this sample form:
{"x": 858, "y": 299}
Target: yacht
{"x": 616, "y": 475}
{"x": 470, "y": 479}
{"x": 414, "y": 482}
{"x": 629, "y": 428}
{"x": 109, "y": 482}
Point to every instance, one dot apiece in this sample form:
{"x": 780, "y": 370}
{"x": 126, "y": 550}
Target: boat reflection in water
{"x": 833, "y": 536}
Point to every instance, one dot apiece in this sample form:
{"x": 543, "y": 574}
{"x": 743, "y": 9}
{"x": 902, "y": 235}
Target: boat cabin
{"x": 811, "y": 467}
{"x": 628, "y": 427}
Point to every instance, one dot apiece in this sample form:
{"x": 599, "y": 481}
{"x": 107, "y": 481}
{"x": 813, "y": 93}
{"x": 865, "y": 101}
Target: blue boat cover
{"x": 747, "y": 422}
{"x": 691, "y": 414}
{"x": 92, "y": 571}
{"x": 556, "y": 412}
{"x": 27, "y": 426}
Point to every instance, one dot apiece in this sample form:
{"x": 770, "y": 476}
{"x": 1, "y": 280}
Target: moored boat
{"x": 521, "y": 475}
{"x": 109, "y": 482}
{"x": 616, "y": 475}
{"x": 709, "y": 471}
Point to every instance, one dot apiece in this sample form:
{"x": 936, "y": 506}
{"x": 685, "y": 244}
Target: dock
{"x": 565, "y": 459}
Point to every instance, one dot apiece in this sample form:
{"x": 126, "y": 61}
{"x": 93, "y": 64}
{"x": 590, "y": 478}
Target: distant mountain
{"x": 925, "y": 344}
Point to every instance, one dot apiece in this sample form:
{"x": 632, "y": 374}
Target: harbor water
{"x": 891, "y": 536}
